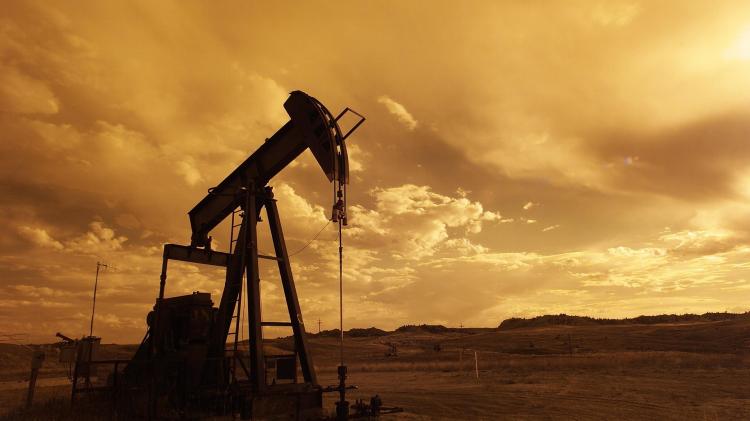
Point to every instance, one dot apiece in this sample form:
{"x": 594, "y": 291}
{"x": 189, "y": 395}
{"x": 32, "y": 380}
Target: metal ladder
{"x": 237, "y": 315}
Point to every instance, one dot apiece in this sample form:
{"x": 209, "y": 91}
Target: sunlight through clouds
{"x": 502, "y": 169}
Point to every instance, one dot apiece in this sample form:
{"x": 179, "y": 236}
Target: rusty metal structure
{"x": 190, "y": 360}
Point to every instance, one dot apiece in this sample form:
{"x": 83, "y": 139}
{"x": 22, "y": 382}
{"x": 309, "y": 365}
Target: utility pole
{"x": 99, "y": 265}
{"x": 318, "y": 326}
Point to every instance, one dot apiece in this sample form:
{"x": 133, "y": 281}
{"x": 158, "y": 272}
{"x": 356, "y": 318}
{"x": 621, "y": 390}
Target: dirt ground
{"x": 643, "y": 394}
{"x": 681, "y": 372}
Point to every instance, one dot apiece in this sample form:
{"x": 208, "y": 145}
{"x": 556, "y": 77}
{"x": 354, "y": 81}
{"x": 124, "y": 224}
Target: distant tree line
{"x": 539, "y": 321}
{"x": 566, "y": 320}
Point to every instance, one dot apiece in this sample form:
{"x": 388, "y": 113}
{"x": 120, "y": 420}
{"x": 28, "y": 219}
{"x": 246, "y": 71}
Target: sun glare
{"x": 740, "y": 48}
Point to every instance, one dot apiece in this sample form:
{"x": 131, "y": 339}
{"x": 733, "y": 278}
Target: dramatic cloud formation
{"x": 518, "y": 159}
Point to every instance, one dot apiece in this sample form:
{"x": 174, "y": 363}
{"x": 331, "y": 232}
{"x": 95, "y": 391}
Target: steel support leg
{"x": 257, "y": 363}
{"x": 287, "y": 281}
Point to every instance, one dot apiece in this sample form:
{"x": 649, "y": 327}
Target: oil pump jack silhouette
{"x": 183, "y": 362}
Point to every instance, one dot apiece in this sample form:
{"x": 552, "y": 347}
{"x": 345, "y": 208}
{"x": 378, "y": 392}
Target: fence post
{"x": 114, "y": 391}
{"x": 75, "y": 381}
{"x": 36, "y": 364}
{"x": 476, "y": 364}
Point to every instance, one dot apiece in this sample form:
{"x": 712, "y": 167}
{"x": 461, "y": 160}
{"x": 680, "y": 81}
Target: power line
{"x": 310, "y": 242}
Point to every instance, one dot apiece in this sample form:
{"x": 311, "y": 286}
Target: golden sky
{"x": 519, "y": 158}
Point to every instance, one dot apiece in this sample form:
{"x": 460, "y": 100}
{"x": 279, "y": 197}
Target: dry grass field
{"x": 668, "y": 371}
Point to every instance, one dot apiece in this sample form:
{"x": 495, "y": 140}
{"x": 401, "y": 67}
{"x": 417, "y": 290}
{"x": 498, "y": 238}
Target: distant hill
{"x": 424, "y": 328}
{"x": 566, "y": 320}
{"x": 354, "y": 333}
{"x": 538, "y": 321}
{"x": 371, "y": 332}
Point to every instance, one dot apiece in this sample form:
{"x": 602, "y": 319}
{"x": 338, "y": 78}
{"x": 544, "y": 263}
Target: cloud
{"x": 614, "y": 13}
{"x": 366, "y": 221}
{"x": 463, "y": 246}
{"x": 102, "y": 118}
{"x": 423, "y": 218}
{"x": 406, "y": 222}
{"x": 528, "y": 205}
{"x": 22, "y": 94}
{"x": 39, "y": 292}
{"x": 187, "y": 169}
{"x": 673, "y": 161}
{"x": 40, "y": 237}
{"x": 655, "y": 275}
{"x": 399, "y": 111}
{"x": 297, "y": 210}
{"x": 99, "y": 239}
{"x": 356, "y": 157}
{"x": 699, "y": 242}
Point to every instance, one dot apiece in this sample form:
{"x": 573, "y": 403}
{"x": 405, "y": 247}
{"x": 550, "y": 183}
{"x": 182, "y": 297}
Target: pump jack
{"x": 182, "y": 362}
